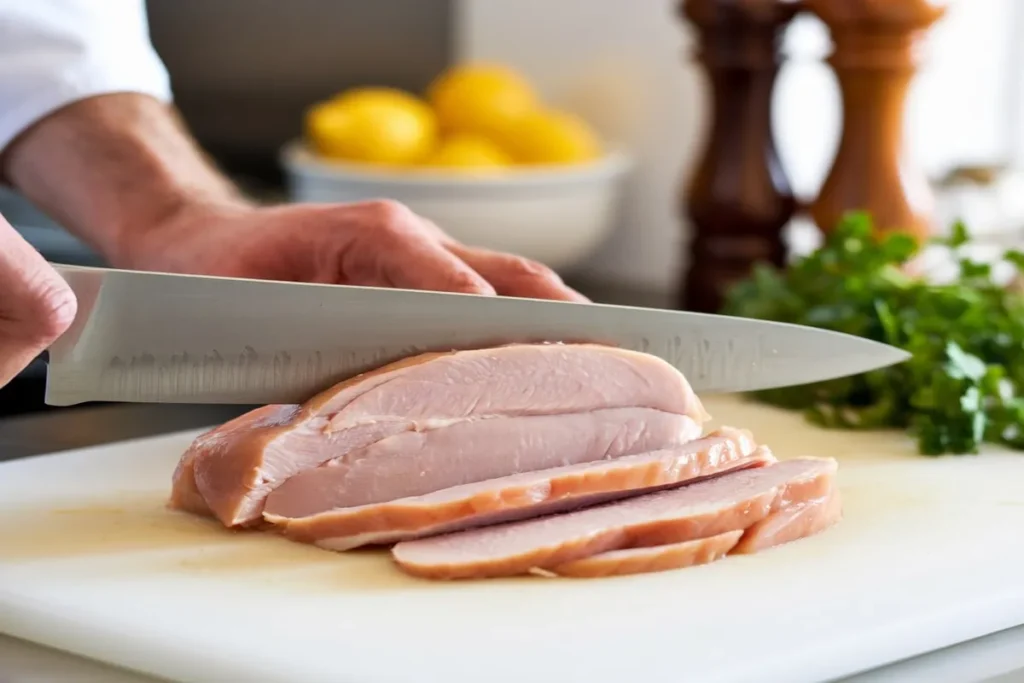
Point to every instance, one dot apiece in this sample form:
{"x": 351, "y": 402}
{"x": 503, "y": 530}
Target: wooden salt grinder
{"x": 739, "y": 198}
{"x": 875, "y": 57}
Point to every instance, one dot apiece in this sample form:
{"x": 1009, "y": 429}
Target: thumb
{"x": 36, "y": 304}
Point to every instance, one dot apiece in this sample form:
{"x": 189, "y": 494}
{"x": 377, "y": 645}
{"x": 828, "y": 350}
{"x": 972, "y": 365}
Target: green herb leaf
{"x": 959, "y": 235}
{"x": 962, "y": 386}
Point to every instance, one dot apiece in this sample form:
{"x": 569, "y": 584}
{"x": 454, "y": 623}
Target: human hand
{"x": 376, "y": 243}
{"x": 36, "y": 305}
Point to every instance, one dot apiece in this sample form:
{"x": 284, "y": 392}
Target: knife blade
{"x": 168, "y": 338}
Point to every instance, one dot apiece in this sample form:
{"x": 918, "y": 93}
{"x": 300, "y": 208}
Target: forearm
{"x": 111, "y": 166}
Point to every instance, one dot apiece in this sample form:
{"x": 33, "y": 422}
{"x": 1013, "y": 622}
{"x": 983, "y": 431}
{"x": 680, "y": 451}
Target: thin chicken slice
{"x": 729, "y": 502}
{"x": 522, "y": 495}
{"x": 472, "y": 452}
{"x": 791, "y": 523}
{"x": 656, "y": 559}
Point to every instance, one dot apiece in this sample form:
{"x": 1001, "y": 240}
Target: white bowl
{"x": 557, "y": 216}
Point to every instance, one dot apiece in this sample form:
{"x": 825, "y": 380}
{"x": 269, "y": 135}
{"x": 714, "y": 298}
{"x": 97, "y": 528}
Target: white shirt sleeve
{"x": 54, "y": 52}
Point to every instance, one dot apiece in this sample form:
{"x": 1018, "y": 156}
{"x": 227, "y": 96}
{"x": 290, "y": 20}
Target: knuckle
{"x": 461, "y": 281}
{"x": 525, "y": 267}
{"x": 389, "y": 213}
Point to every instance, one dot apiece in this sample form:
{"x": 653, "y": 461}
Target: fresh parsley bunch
{"x": 965, "y": 382}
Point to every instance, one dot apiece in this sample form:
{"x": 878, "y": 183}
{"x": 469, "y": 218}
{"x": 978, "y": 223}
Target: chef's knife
{"x": 161, "y": 338}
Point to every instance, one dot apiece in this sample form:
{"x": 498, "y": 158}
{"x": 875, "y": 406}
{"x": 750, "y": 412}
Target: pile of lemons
{"x": 477, "y": 117}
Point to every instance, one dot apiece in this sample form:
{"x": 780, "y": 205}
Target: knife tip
{"x": 893, "y": 355}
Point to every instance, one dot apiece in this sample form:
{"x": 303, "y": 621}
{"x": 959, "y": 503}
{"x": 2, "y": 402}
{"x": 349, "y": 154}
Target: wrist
{"x": 161, "y": 241}
{"x": 145, "y": 238}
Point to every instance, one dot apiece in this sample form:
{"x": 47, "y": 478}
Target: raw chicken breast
{"x": 421, "y": 463}
{"x": 229, "y": 471}
{"x": 517, "y": 496}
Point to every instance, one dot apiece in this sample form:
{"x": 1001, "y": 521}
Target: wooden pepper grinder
{"x": 875, "y": 58}
{"x": 739, "y": 198}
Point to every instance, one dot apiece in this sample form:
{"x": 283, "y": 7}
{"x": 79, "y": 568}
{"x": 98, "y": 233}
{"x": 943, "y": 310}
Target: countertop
{"x": 997, "y": 658}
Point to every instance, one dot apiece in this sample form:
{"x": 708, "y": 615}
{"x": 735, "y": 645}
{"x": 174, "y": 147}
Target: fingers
{"x": 513, "y": 275}
{"x": 36, "y": 305}
{"x": 397, "y": 250}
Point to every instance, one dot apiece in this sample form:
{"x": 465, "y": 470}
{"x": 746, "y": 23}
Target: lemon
{"x": 480, "y": 98}
{"x": 551, "y": 137}
{"x": 377, "y": 94}
{"x": 468, "y": 152}
{"x": 373, "y": 125}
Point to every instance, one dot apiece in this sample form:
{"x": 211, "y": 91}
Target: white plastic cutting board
{"x": 930, "y": 553}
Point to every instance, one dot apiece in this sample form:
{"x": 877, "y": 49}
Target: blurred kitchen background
{"x": 244, "y": 73}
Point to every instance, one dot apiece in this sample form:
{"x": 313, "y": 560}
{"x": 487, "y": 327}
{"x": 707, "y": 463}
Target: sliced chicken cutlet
{"x": 645, "y": 560}
{"x": 415, "y": 463}
{"x": 790, "y": 523}
{"x": 798, "y": 520}
{"x": 385, "y": 433}
{"x": 730, "y": 502}
{"x": 520, "y": 495}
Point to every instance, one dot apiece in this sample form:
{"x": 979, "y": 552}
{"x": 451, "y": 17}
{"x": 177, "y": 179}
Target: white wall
{"x": 626, "y": 65}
